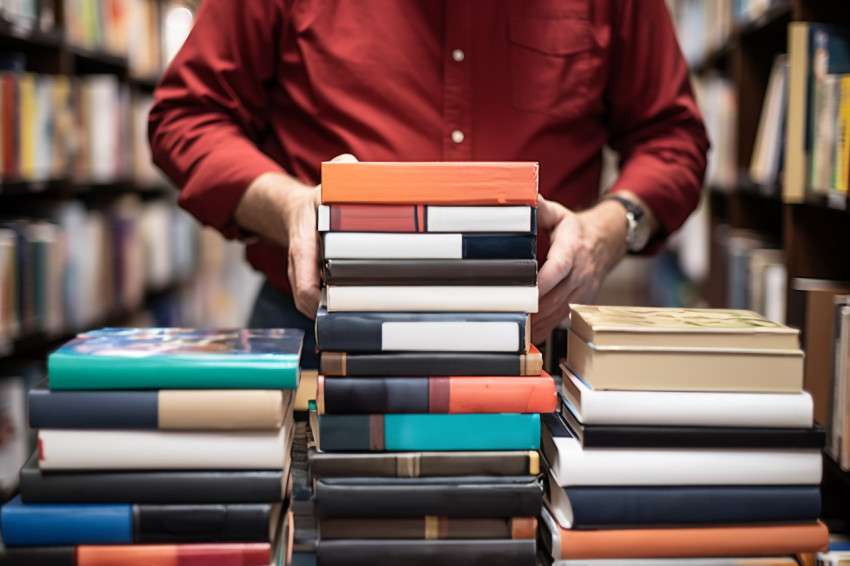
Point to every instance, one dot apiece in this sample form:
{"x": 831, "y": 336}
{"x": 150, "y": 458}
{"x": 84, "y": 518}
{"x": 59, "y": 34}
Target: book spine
{"x": 376, "y": 245}
{"x": 480, "y": 183}
{"x": 467, "y": 498}
{"x": 467, "y": 394}
{"x": 145, "y": 450}
{"x": 38, "y": 556}
{"x": 201, "y": 523}
{"x": 375, "y": 332}
{"x": 69, "y": 371}
{"x": 163, "y": 487}
{"x": 433, "y": 299}
{"x": 52, "y": 525}
{"x": 430, "y": 272}
{"x": 93, "y": 409}
{"x": 424, "y": 464}
{"x": 430, "y": 528}
{"x": 685, "y": 542}
{"x": 418, "y": 218}
{"x": 372, "y": 218}
{"x": 429, "y": 432}
{"x": 600, "y": 507}
{"x": 216, "y": 554}
{"x": 341, "y": 363}
{"x": 428, "y": 552}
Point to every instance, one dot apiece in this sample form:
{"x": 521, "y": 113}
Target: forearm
{"x": 263, "y": 208}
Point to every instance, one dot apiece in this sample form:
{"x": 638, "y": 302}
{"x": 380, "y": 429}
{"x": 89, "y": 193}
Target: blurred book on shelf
{"x": 717, "y": 98}
{"x": 768, "y": 152}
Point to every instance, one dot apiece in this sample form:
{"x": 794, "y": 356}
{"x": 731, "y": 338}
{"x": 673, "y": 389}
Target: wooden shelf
{"x": 11, "y": 34}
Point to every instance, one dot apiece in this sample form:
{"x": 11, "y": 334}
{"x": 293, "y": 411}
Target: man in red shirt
{"x": 263, "y": 91}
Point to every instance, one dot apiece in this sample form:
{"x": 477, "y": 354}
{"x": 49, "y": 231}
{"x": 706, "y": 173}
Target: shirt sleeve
{"x": 655, "y": 124}
{"x": 210, "y": 106}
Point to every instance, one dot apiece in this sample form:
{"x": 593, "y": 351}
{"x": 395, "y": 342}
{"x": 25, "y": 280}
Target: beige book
{"x": 680, "y": 328}
{"x": 663, "y": 368}
{"x": 307, "y": 389}
{"x": 224, "y": 409}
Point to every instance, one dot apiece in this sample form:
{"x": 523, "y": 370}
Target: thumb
{"x": 344, "y": 158}
{"x": 549, "y": 213}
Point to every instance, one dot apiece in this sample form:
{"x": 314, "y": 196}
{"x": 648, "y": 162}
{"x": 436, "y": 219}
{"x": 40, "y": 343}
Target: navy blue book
{"x": 418, "y": 332}
{"x": 470, "y": 552}
{"x": 609, "y": 507}
{"x": 47, "y": 524}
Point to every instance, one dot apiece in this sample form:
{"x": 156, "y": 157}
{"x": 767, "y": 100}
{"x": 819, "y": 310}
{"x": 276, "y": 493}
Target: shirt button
{"x": 458, "y": 55}
{"x": 457, "y": 136}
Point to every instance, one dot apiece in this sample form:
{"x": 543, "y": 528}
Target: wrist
{"x": 605, "y": 229}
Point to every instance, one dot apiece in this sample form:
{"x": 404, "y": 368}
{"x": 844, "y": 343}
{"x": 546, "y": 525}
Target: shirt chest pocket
{"x": 555, "y": 66}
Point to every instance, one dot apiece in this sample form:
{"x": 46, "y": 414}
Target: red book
{"x": 450, "y": 183}
{"x": 9, "y": 121}
{"x": 218, "y": 554}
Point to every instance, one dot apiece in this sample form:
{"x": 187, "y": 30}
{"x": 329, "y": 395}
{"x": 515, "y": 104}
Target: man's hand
{"x": 283, "y": 209}
{"x": 583, "y": 248}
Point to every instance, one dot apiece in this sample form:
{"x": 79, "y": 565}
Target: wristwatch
{"x": 638, "y": 224}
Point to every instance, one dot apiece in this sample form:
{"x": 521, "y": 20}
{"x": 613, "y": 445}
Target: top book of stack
{"x": 435, "y": 183}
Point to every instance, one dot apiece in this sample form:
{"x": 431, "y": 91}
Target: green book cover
{"x": 167, "y": 358}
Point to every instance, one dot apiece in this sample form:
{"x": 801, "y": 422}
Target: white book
{"x": 432, "y": 298}
{"x": 573, "y": 465}
{"x": 173, "y": 450}
{"x": 382, "y": 245}
{"x": 687, "y": 408}
{"x": 444, "y": 218}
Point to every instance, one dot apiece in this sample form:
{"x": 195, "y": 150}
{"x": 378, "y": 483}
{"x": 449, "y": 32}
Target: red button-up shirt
{"x": 277, "y": 85}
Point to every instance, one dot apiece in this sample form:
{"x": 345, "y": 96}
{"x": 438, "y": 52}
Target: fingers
{"x": 344, "y": 158}
{"x": 549, "y": 213}
{"x": 303, "y": 272}
{"x": 553, "y": 308}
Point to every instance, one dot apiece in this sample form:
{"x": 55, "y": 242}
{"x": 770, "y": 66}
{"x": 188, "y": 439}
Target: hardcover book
{"x": 466, "y": 496}
{"x": 46, "y": 524}
{"x": 725, "y": 561}
{"x": 242, "y": 409}
{"x": 423, "y": 464}
{"x": 436, "y": 183}
{"x": 469, "y": 552}
{"x": 607, "y": 507}
{"x": 407, "y": 298}
{"x": 738, "y": 540}
{"x": 573, "y": 465}
{"x": 376, "y": 245}
{"x": 178, "y": 358}
{"x": 662, "y": 368}
{"x": 679, "y": 328}
{"x": 680, "y": 436}
{"x": 347, "y": 433}
{"x": 420, "y": 218}
{"x": 430, "y": 528}
{"x": 164, "y": 450}
{"x": 413, "y": 331}
{"x": 427, "y": 364}
{"x": 462, "y": 394}
{"x": 153, "y": 486}
{"x": 685, "y": 408}
{"x": 456, "y": 272}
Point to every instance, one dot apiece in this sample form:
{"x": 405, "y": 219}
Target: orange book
{"x": 218, "y": 554}
{"x": 688, "y": 542}
{"x": 449, "y": 183}
{"x": 455, "y": 394}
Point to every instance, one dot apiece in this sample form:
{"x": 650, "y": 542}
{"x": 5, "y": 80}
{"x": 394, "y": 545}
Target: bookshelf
{"x": 809, "y": 230}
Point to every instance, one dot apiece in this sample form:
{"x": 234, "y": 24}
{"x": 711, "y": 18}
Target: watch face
{"x": 638, "y": 234}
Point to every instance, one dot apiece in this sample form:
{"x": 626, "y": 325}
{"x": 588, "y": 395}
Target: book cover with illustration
{"x": 161, "y": 358}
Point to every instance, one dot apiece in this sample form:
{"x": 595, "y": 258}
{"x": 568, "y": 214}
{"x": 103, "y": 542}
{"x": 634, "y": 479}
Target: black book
{"x": 467, "y": 496}
{"x": 430, "y": 272}
{"x": 151, "y": 487}
{"x": 426, "y": 552}
{"x": 430, "y": 363}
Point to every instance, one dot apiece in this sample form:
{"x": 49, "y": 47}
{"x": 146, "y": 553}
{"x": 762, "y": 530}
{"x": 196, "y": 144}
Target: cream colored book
{"x": 680, "y": 328}
{"x": 673, "y": 349}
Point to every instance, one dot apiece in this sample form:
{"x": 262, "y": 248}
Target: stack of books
{"x": 427, "y": 413}
{"x": 159, "y": 446}
{"x": 683, "y": 433}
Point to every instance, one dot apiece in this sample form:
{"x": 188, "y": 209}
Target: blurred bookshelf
{"x": 773, "y": 82}
{"x": 90, "y": 232}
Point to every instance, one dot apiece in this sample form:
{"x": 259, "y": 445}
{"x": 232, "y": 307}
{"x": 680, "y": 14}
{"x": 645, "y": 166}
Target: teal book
{"x": 403, "y": 433}
{"x": 168, "y": 358}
